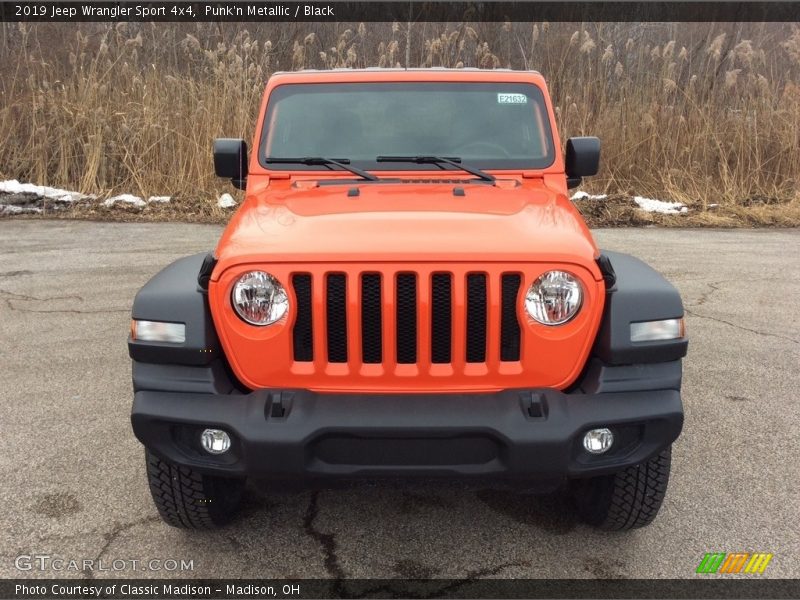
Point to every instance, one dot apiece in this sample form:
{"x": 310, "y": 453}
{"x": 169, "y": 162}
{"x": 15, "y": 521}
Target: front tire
{"x": 188, "y": 499}
{"x": 627, "y": 499}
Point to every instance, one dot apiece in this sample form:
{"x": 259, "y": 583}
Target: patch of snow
{"x": 159, "y": 199}
{"x": 713, "y": 205}
{"x": 226, "y": 201}
{"x": 13, "y": 186}
{"x": 659, "y": 206}
{"x": 587, "y": 196}
{"x": 125, "y": 199}
{"x": 11, "y": 209}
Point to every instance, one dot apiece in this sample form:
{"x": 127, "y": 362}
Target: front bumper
{"x": 517, "y": 434}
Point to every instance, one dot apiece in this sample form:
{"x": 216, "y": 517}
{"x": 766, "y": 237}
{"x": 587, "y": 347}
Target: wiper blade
{"x": 343, "y": 163}
{"x": 438, "y": 160}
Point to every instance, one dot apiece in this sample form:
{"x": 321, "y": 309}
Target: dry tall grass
{"x": 701, "y": 113}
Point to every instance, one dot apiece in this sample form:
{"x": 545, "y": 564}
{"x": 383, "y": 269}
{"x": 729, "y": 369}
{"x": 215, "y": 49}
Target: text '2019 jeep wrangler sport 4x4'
{"x": 407, "y": 290}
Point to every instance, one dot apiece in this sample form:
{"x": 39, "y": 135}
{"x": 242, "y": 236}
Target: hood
{"x": 423, "y": 222}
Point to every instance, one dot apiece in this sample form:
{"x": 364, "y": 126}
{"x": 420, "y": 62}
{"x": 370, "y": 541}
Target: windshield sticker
{"x": 512, "y": 99}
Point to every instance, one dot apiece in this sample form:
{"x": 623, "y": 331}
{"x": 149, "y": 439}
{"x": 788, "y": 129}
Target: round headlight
{"x": 259, "y": 298}
{"x": 554, "y": 298}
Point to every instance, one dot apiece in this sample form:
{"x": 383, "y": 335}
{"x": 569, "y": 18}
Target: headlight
{"x": 259, "y": 298}
{"x": 554, "y": 298}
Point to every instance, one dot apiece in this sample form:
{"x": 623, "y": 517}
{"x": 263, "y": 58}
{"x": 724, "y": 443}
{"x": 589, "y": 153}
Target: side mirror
{"x": 582, "y": 159}
{"x": 230, "y": 160}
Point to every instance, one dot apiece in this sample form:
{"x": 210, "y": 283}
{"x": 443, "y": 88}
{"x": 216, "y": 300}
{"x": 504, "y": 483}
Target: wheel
{"x": 188, "y": 499}
{"x": 625, "y": 500}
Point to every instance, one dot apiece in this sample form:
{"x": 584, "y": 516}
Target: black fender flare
{"x": 175, "y": 296}
{"x": 638, "y": 293}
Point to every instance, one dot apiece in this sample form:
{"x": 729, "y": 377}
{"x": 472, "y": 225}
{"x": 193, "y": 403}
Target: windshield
{"x": 486, "y": 125}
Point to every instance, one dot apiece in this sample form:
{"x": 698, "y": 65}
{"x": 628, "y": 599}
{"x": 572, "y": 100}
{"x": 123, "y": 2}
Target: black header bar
{"x": 277, "y": 11}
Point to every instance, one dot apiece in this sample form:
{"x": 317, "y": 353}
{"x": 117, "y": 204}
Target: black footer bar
{"x": 78, "y": 589}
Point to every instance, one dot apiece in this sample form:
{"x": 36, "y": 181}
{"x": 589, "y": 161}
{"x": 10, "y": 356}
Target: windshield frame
{"x": 533, "y": 90}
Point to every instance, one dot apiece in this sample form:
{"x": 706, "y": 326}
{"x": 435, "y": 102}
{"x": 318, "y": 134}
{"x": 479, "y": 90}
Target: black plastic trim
{"x": 207, "y": 379}
{"x": 230, "y": 160}
{"x": 573, "y": 182}
{"x": 406, "y": 297}
{"x": 174, "y": 296}
{"x": 607, "y": 270}
{"x": 441, "y": 318}
{"x": 336, "y": 317}
{"x": 303, "y": 330}
{"x": 206, "y": 269}
{"x": 464, "y": 435}
{"x": 582, "y": 157}
{"x": 639, "y": 294}
{"x": 477, "y": 318}
{"x": 371, "y": 318}
{"x": 510, "y": 331}
{"x": 601, "y": 378}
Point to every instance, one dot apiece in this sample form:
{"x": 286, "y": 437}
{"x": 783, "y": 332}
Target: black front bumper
{"x": 518, "y": 434}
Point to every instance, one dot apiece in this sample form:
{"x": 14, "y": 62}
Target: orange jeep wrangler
{"x": 407, "y": 290}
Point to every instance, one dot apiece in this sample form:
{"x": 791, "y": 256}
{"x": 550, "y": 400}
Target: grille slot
{"x": 406, "y": 318}
{"x": 337, "y": 318}
{"x": 441, "y": 318}
{"x": 302, "y": 334}
{"x": 476, "y": 318}
{"x": 371, "y": 313}
{"x": 509, "y": 324}
{"x": 388, "y": 311}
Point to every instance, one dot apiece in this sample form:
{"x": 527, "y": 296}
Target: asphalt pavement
{"x": 73, "y": 483}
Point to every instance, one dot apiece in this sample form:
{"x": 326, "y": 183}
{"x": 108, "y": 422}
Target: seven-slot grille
{"x": 406, "y": 317}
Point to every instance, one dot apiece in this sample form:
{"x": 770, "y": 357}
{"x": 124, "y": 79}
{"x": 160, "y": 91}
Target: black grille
{"x": 337, "y": 318}
{"x": 302, "y": 334}
{"x": 332, "y": 291}
{"x": 509, "y": 325}
{"x": 476, "y": 318}
{"x": 441, "y": 318}
{"x": 406, "y": 318}
{"x": 371, "y": 326}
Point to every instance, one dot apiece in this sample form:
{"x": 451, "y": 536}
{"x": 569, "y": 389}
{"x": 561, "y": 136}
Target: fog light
{"x": 215, "y": 441}
{"x": 598, "y": 441}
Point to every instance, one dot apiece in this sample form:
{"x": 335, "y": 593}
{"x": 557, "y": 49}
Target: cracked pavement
{"x": 76, "y": 488}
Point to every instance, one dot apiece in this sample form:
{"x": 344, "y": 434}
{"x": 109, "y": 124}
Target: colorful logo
{"x": 735, "y": 562}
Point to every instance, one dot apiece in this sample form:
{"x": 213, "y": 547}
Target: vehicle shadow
{"x": 549, "y": 511}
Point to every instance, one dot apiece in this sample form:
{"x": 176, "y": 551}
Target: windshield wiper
{"x": 438, "y": 160}
{"x": 343, "y": 163}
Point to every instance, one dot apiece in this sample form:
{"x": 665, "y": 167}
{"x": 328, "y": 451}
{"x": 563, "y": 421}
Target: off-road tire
{"x": 188, "y": 499}
{"x": 625, "y": 500}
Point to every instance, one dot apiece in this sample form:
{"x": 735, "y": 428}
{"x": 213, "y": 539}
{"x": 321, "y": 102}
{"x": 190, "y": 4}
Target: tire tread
{"x": 183, "y": 496}
{"x": 628, "y": 499}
